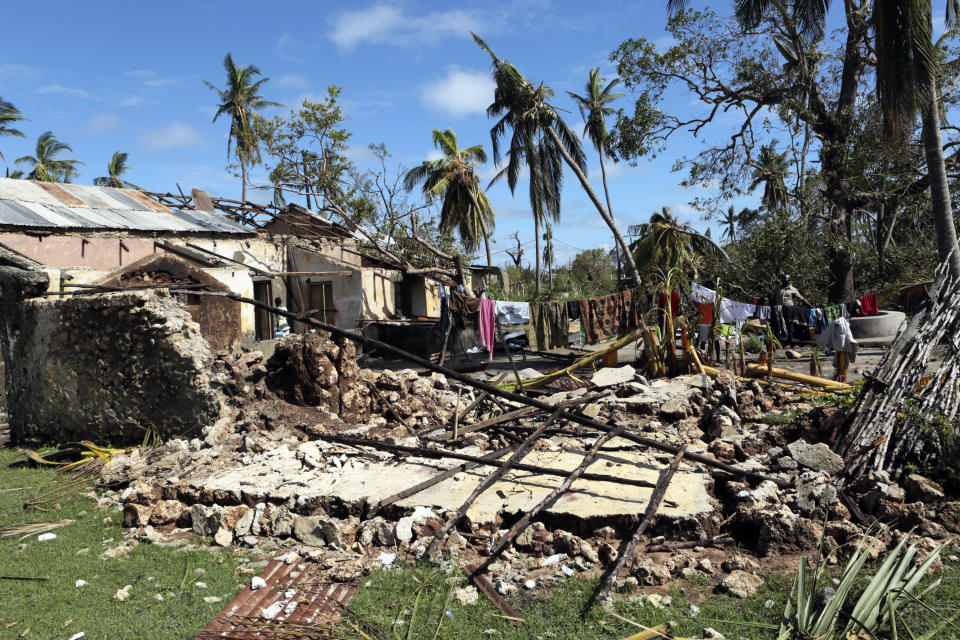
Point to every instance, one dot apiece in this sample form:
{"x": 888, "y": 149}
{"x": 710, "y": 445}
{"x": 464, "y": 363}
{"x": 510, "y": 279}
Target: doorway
{"x": 263, "y": 324}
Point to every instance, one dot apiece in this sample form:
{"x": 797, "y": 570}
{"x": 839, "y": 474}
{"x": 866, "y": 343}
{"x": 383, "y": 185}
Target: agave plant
{"x": 895, "y": 582}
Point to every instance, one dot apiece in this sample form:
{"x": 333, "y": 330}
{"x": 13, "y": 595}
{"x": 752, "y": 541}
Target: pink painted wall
{"x": 75, "y": 251}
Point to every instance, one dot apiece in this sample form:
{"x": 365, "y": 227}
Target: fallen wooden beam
{"x": 443, "y": 453}
{"x": 488, "y": 482}
{"x": 760, "y": 371}
{"x": 440, "y": 477}
{"x": 480, "y": 398}
{"x": 655, "y": 498}
{"x": 495, "y": 391}
{"x": 528, "y": 517}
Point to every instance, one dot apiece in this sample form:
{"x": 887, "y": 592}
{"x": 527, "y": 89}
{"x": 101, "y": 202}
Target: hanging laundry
{"x": 852, "y": 309}
{"x": 833, "y": 312}
{"x": 778, "y": 322}
{"x": 706, "y": 313}
{"x": 732, "y": 312}
{"x": 512, "y": 312}
{"x": 608, "y": 317}
{"x": 485, "y": 325}
{"x": 701, "y": 294}
{"x": 762, "y": 312}
{"x": 573, "y": 309}
{"x": 839, "y": 337}
{"x": 869, "y": 306}
{"x": 549, "y": 325}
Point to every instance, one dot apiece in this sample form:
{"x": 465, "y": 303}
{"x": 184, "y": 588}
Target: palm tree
{"x": 16, "y": 174}
{"x": 770, "y": 170}
{"x": 8, "y": 115}
{"x": 594, "y": 111}
{"x": 548, "y": 254}
{"x": 44, "y": 166}
{"x": 454, "y": 180}
{"x": 115, "y": 170}
{"x": 540, "y": 140}
{"x": 241, "y": 101}
{"x": 907, "y": 83}
{"x": 747, "y": 216}
{"x": 666, "y": 243}
{"x": 729, "y": 223}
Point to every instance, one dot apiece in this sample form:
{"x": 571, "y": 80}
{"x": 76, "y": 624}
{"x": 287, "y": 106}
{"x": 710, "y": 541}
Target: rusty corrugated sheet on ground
{"x": 296, "y": 603}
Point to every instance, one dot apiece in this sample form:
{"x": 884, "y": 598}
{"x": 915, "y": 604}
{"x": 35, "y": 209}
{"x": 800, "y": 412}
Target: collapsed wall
{"x": 112, "y": 368}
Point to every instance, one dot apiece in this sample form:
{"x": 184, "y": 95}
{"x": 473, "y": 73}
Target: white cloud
{"x": 150, "y": 78}
{"x": 176, "y": 135}
{"x": 291, "y": 80}
{"x": 385, "y": 24}
{"x": 104, "y": 122}
{"x": 459, "y": 93}
{"x": 131, "y": 101}
{"x": 66, "y": 91}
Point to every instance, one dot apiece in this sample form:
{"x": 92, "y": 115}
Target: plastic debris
{"x": 257, "y": 583}
{"x": 554, "y": 559}
{"x": 386, "y": 559}
{"x": 567, "y": 570}
{"x": 43, "y": 537}
{"x": 77, "y": 636}
{"x": 80, "y": 583}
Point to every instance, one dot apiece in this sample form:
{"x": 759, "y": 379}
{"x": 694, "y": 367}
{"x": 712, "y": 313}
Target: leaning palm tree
{"x": 665, "y": 243}
{"x": 45, "y": 166}
{"x": 8, "y": 115}
{"x": 241, "y": 101}
{"x": 770, "y": 170}
{"x": 594, "y": 111}
{"x": 541, "y": 140}
{"x": 115, "y": 170}
{"x": 454, "y": 181}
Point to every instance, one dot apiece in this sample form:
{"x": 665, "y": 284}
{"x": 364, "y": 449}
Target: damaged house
{"x": 118, "y": 366}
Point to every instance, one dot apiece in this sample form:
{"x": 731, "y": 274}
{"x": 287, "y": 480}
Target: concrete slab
{"x": 279, "y": 475}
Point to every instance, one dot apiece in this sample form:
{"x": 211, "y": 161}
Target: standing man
{"x": 794, "y": 307}
{"x": 283, "y": 325}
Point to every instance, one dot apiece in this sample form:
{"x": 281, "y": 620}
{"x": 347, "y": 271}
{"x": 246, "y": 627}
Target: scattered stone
{"x": 123, "y": 593}
{"x": 610, "y": 376}
{"x": 530, "y": 585}
{"x": 467, "y": 595}
{"x": 713, "y": 634}
{"x": 818, "y": 456}
{"x": 921, "y": 489}
{"x": 741, "y": 584}
{"x": 257, "y": 583}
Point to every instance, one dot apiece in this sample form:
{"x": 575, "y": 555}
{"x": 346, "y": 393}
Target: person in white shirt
{"x": 283, "y": 325}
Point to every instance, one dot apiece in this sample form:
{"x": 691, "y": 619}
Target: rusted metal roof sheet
{"x": 48, "y": 206}
{"x": 296, "y": 603}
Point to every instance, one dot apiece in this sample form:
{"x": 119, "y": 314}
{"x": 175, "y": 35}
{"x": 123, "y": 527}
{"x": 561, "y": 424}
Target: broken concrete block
{"x": 308, "y": 530}
{"x": 242, "y": 528}
{"x": 818, "y": 456}
{"x": 281, "y": 522}
{"x": 741, "y": 584}
{"x": 206, "y": 521}
{"x": 165, "y": 512}
{"x": 136, "y": 515}
{"x": 921, "y": 489}
{"x": 610, "y": 376}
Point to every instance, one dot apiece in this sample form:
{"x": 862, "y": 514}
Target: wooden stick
{"x": 443, "y": 453}
{"x": 489, "y": 422}
{"x": 759, "y": 371}
{"x": 655, "y": 498}
{"x": 522, "y": 524}
{"x": 480, "y": 398}
{"x": 516, "y": 374}
{"x": 488, "y": 482}
{"x": 440, "y": 477}
{"x": 488, "y": 590}
{"x": 496, "y": 391}
{"x": 456, "y": 416}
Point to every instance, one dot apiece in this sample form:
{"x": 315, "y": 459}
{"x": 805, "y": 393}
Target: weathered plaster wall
{"x": 107, "y": 368}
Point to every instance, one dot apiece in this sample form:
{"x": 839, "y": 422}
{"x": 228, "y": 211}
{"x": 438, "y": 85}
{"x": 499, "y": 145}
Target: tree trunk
{"x": 838, "y": 257}
{"x": 939, "y": 189}
{"x": 628, "y": 257}
{"x": 606, "y": 193}
{"x": 243, "y": 179}
{"x": 536, "y": 237}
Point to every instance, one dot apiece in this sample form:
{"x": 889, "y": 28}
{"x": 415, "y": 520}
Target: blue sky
{"x": 129, "y": 77}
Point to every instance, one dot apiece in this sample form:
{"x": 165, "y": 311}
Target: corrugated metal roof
{"x": 36, "y": 205}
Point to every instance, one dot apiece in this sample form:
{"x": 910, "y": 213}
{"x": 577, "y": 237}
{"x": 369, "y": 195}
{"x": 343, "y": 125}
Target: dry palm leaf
{"x": 26, "y": 530}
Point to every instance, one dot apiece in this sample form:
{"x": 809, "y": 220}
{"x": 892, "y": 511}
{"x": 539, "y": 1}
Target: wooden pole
{"x": 655, "y": 498}
{"x": 522, "y": 524}
{"x": 759, "y": 371}
{"x": 488, "y": 482}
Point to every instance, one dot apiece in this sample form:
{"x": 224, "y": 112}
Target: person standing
{"x": 283, "y": 325}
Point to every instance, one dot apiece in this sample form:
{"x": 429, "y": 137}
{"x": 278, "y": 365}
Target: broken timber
{"x": 525, "y": 521}
{"x": 488, "y": 482}
{"x": 495, "y": 391}
{"x": 443, "y": 453}
{"x": 655, "y": 498}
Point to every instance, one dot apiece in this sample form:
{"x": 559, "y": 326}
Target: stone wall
{"x": 108, "y": 368}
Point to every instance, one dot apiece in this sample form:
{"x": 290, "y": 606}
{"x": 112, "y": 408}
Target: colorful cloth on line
{"x": 869, "y": 306}
{"x": 512, "y": 312}
{"x": 486, "y": 326}
{"x": 701, "y": 294}
{"x": 549, "y": 323}
{"x": 608, "y": 317}
{"x": 573, "y": 309}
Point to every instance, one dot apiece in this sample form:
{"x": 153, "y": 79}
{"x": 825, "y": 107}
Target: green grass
{"x": 56, "y": 608}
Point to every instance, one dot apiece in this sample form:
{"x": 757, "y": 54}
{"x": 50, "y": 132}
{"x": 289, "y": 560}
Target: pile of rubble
{"x": 284, "y": 474}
